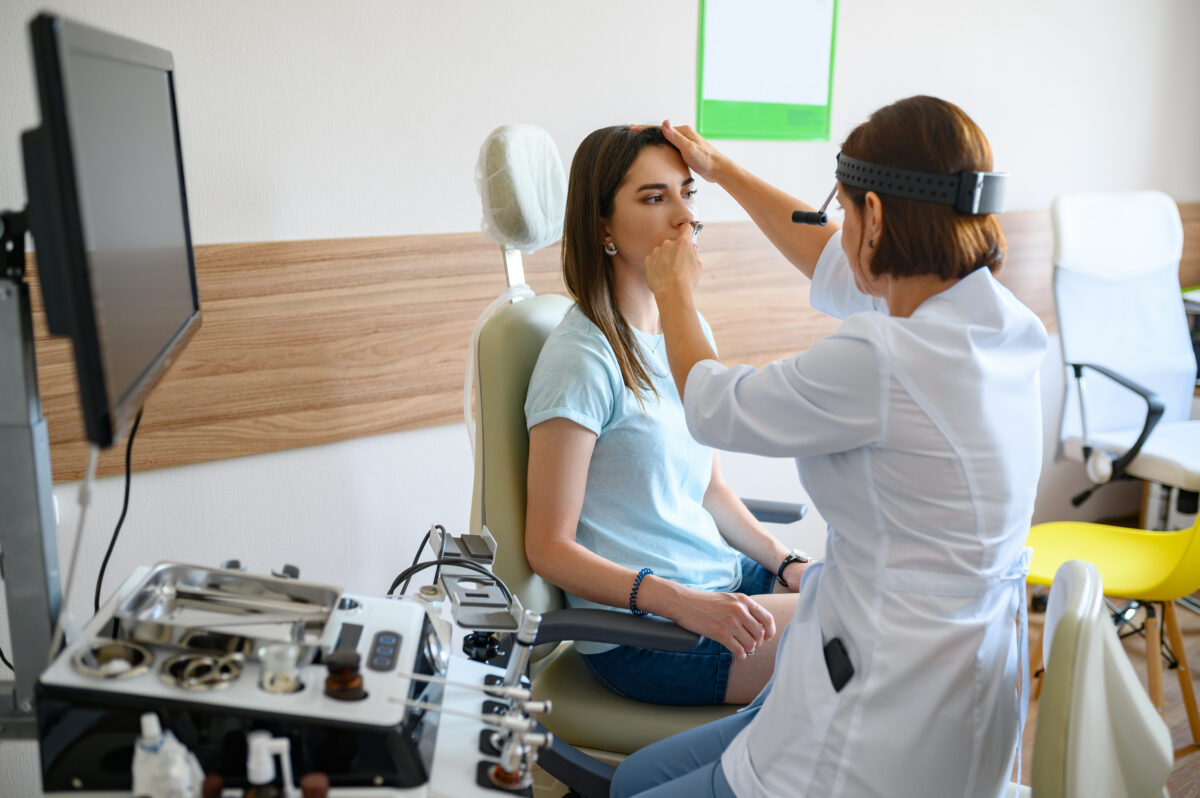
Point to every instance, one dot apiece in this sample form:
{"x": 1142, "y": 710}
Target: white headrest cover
{"x": 523, "y": 188}
{"x": 1116, "y": 234}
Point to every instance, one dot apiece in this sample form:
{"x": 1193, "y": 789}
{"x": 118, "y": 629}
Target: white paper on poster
{"x": 771, "y": 51}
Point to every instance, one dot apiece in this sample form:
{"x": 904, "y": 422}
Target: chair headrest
{"x": 521, "y": 182}
{"x": 1116, "y": 234}
{"x": 1076, "y": 594}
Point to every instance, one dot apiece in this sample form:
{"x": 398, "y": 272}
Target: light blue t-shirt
{"x": 642, "y": 507}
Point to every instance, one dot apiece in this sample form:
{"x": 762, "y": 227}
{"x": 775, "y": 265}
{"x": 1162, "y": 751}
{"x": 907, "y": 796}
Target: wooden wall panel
{"x": 309, "y": 342}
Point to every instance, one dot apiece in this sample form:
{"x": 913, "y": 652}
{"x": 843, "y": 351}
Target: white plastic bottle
{"x": 162, "y": 766}
{"x": 260, "y": 766}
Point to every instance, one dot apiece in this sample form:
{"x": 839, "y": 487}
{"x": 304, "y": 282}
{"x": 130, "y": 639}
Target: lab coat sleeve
{"x": 831, "y": 398}
{"x": 833, "y": 288}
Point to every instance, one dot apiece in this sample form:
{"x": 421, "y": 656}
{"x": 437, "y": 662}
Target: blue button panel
{"x": 382, "y": 654}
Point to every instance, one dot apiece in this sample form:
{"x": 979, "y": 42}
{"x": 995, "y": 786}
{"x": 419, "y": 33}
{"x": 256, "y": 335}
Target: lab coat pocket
{"x": 817, "y": 684}
{"x": 801, "y": 706}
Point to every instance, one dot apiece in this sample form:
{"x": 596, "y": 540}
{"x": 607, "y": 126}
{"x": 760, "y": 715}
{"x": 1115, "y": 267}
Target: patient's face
{"x": 653, "y": 203}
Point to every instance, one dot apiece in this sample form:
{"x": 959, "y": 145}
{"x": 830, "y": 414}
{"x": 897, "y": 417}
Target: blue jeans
{"x": 697, "y": 677}
{"x": 687, "y": 765}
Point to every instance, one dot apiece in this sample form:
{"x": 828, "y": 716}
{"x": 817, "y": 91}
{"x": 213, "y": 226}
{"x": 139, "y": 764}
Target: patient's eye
{"x": 652, "y": 199}
{"x": 691, "y": 192}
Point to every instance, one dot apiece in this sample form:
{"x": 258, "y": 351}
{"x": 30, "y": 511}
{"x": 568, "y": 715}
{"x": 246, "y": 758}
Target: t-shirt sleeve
{"x": 830, "y": 398}
{"x": 833, "y": 288}
{"x": 708, "y": 333}
{"x": 573, "y": 379}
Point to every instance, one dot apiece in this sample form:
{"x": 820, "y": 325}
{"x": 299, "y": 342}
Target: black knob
{"x": 480, "y": 646}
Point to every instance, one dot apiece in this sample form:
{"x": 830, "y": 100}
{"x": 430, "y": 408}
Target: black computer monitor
{"x": 109, "y": 217}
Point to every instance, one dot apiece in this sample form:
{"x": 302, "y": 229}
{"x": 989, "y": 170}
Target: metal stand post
{"x": 28, "y": 551}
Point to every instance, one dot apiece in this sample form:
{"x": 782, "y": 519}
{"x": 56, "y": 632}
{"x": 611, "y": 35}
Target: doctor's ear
{"x": 872, "y": 215}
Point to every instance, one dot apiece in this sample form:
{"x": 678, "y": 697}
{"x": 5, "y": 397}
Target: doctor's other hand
{"x": 734, "y": 620}
{"x": 794, "y": 574}
{"x": 701, "y": 157}
{"x": 673, "y": 268}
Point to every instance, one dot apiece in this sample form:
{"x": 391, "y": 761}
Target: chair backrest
{"x": 1098, "y": 734}
{"x": 507, "y": 350}
{"x": 1182, "y": 549}
{"x": 1117, "y": 294}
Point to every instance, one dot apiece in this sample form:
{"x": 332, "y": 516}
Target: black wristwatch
{"x": 795, "y": 555}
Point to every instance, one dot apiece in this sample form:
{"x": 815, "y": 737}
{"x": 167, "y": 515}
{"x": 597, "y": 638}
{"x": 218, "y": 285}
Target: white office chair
{"x": 1098, "y": 735}
{"x": 1125, "y": 336}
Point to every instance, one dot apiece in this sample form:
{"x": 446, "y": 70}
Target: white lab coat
{"x": 920, "y": 442}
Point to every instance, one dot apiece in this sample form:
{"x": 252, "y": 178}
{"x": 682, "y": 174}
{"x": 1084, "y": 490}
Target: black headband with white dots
{"x": 971, "y": 193}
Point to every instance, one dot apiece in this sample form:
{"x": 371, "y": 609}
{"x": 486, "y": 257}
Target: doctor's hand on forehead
{"x": 701, "y": 157}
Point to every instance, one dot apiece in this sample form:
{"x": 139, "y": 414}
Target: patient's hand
{"x": 673, "y": 268}
{"x": 734, "y": 620}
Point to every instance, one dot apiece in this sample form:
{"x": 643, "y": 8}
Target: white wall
{"x": 304, "y": 119}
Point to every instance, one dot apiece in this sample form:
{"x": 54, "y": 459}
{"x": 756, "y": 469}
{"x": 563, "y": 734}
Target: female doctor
{"x": 916, "y": 429}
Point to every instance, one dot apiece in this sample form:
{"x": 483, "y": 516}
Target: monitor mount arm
{"x": 28, "y": 548}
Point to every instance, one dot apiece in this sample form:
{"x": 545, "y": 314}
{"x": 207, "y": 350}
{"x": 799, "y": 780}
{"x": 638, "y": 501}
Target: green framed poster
{"x": 765, "y": 69}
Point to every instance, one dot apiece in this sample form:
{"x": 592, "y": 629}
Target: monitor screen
{"x": 108, "y": 212}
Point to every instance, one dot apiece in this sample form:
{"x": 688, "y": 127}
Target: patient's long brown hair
{"x": 597, "y": 171}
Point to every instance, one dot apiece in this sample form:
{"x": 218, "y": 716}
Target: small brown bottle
{"x": 314, "y": 785}
{"x": 345, "y": 681}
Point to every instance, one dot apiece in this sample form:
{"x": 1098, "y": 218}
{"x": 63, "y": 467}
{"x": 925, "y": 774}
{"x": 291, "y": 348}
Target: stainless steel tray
{"x": 212, "y": 609}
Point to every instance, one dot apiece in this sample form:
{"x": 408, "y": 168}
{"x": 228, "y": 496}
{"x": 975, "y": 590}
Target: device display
{"x": 108, "y": 212}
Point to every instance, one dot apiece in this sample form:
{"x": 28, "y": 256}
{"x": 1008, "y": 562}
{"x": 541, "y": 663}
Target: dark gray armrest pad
{"x": 770, "y": 512}
{"x": 611, "y": 626}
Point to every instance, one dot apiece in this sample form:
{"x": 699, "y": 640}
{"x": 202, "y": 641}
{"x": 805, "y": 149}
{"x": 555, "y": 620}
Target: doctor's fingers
{"x": 697, "y": 153}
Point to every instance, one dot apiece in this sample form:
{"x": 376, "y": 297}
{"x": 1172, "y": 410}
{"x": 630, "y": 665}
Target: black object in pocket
{"x": 837, "y": 662}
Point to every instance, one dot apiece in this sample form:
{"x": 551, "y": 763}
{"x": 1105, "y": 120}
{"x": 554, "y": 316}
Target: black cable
{"x": 458, "y": 561}
{"x": 124, "y": 508}
{"x": 437, "y": 572}
{"x": 441, "y": 553}
{"x": 7, "y": 664}
{"x": 416, "y": 557}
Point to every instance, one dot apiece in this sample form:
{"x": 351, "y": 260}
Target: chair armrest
{"x": 612, "y": 626}
{"x": 770, "y": 512}
{"x": 1154, "y": 412}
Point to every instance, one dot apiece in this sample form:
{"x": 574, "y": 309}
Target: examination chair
{"x": 505, "y": 347}
{"x": 1125, "y": 337}
{"x": 1097, "y": 734}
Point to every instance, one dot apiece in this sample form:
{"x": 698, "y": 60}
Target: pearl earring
{"x": 610, "y": 249}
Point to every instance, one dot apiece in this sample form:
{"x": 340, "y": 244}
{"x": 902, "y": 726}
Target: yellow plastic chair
{"x": 1148, "y": 566}
{"x": 1097, "y": 734}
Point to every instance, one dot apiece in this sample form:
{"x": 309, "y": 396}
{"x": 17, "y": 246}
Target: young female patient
{"x": 626, "y": 509}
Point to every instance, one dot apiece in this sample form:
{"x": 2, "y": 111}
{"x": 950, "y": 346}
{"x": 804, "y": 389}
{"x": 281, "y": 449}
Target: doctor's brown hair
{"x": 597, "y": 171}
{"x": 927, "y": 135}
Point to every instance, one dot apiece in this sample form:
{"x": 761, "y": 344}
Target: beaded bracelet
{"x": 642, "y": 574}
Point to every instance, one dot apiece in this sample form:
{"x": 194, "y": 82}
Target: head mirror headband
{"x": 970, "y": 193}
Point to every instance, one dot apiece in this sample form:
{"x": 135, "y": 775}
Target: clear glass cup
{"x": 281, "y": 663}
